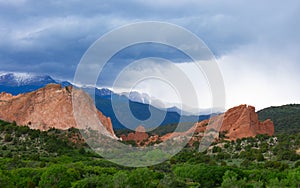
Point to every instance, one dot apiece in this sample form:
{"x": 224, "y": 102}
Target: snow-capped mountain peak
{"x": 16, "y": 83}
{"x": 138, "y": 97}
{"x": 20, "y": 79}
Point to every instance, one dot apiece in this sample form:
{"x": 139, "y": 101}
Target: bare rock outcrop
{"x": 52, "y": 107}
{"x": 139, "y": 135}
{"x": 242, "y": 121}
{"x": 238, "y": 122}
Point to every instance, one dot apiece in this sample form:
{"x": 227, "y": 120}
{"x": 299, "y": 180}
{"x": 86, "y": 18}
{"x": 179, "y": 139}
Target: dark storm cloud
{"x": 51, "y": 36}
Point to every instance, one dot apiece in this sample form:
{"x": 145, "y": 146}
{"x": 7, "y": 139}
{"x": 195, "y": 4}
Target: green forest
{"x": 286, "y": 118}
{"x": 56, "y": 158}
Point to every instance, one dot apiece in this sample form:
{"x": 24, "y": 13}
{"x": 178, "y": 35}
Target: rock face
{"x": 242, "y": 121}
{"x": 139, "y": 135}
{"x": 52, "y": 107}
{"x": 238, "y": 122}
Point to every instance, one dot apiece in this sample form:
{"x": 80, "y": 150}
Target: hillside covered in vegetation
{"x": 56, "y": 158}
{"x": 286, "y": 118}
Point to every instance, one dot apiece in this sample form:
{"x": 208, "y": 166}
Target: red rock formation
{"x": 51, "y": 107}
{"x": 139, "y": 135}
{"x": 106, "y": 121}
{"x": 123, "y": 137}
{"x": 238, "y": 122}
{"x": 153, "y": 139}
{"x": 242, "y": 121}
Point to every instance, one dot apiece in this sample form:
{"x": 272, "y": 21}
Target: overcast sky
{"x": 256, "y": 43}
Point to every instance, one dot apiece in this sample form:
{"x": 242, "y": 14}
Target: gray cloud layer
{"x": 51, "y": 36}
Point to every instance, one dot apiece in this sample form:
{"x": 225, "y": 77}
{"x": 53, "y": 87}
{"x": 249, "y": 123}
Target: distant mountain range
{"x": 105, "y": 98}
{"x": 17, "y": 83}
{"x": 139, "y": 103}
{"x": 285, "y": 118}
